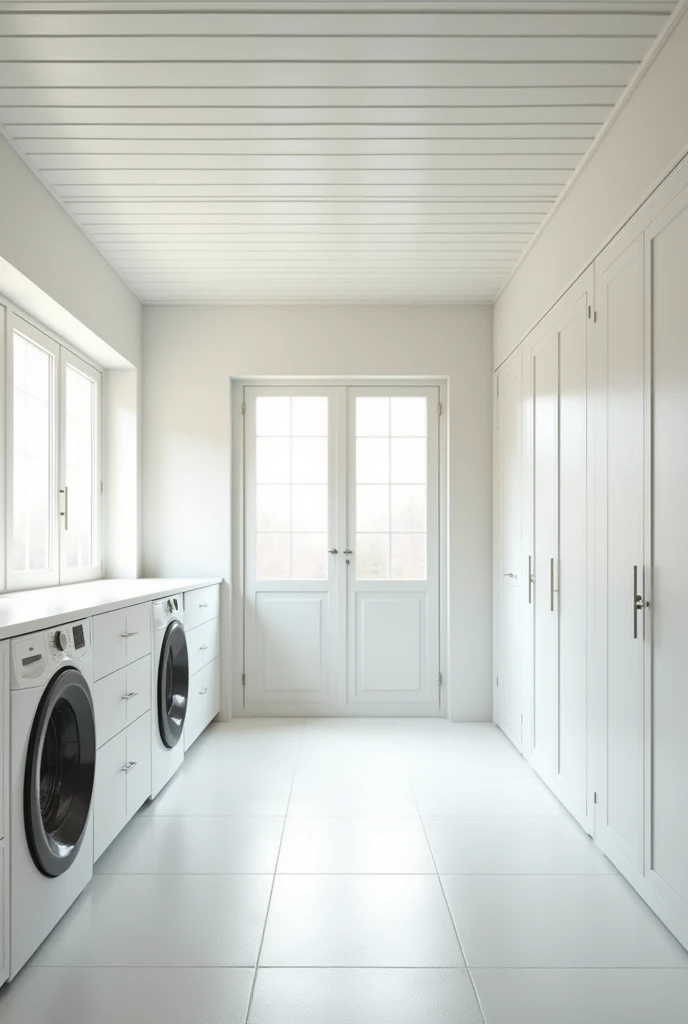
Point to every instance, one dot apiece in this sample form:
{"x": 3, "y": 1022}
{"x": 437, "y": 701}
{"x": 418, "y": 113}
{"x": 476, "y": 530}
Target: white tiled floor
{"x": 354, "y": 872}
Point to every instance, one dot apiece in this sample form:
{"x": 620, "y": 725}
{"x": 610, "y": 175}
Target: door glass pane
{"x": 291, "y": 487}
{"x": 33, "y": 458}
{"x": 391, "y": 488}
{"x": 80, "y": 440}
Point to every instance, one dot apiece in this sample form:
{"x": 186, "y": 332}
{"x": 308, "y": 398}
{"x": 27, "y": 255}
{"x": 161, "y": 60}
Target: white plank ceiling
{"x": 319, "y": 151}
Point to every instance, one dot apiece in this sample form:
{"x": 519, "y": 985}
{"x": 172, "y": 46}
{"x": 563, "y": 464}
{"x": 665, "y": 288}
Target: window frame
{"x": 62, "y": 355}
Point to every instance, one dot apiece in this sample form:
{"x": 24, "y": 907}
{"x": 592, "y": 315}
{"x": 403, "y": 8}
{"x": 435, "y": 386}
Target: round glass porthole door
{"x": 60, "y": 768}
{"x": 173, "y": 684}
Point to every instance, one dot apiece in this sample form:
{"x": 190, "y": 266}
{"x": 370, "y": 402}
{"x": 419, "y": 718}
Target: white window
{"x": 53, "y": 507}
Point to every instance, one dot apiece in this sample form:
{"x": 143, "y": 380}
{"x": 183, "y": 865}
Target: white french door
{"x": 341, "y": 549}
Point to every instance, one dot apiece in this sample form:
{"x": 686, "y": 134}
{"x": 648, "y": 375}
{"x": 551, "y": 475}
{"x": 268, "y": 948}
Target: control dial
{"x": 61, "y": 640}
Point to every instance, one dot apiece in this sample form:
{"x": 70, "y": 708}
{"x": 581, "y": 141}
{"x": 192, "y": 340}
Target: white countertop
{"x": 25, "y": 611}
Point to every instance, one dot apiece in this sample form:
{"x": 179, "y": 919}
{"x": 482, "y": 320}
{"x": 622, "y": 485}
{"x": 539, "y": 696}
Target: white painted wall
{"x": 647, "y": 138}
{"x": 189, "y": 355}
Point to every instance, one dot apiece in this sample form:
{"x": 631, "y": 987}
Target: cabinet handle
{"x": 203, "y": 605}
{"x": 551, "y": 585}
{"x": 128, "y": 696}
{"x": 639, "y": 602}
{"x": 204, "y": 690}
{"x": 203, "y": 647}
{"x": 531, "y": 579}
{"x": 125, "y": 636}
{"x": 511, "y": 575}
{"x": 333, "y": 551}
{"x": 65, "y": 491}
{"x": 128, "y": 766}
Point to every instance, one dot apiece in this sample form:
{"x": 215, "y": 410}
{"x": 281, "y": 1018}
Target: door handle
{"x": 552, "y": 590}
{"x": 65, "y": 491}
{"x": 639, "y": 602}
{"x": 531, "y": 579}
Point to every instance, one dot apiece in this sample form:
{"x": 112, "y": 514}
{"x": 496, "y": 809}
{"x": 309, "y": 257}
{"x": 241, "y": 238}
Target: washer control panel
{"x": 165, "y": 609}
{"x": 37, "y": 655}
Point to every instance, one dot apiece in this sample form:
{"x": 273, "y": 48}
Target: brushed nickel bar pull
{"x": 531, "y": 579}
{"x": 639, "y": 602}
{"x": 128, "y": 696}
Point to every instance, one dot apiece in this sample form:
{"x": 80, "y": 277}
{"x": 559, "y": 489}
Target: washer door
{"x": 173, "y": 684}
{"x": 60, "y": 767}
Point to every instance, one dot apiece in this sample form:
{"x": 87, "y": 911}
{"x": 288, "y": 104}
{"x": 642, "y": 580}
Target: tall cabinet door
{"x": 544, "y": 391}
{"x": 619, "y": 541}
{"x": 511, "y": 579}
{"x": 666, "y": 260}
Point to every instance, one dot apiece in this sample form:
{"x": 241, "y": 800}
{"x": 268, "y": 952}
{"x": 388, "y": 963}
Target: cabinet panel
{"x": 620, "y": 309}
{"x": 121, "y": 698}
{"x": 203, "y": 643}
{"x": 667, "y": 251}
{"x": 572, "y": 703}
{"x": 4, "y": 911}
{"x": 545, "y": 386}
{"x": 138, "y": 763}
{"x": 204, "y": 701}
{"x": 120, "y": 638}
{"x": 110, "y": 793}
{"x": 201, "y": 605}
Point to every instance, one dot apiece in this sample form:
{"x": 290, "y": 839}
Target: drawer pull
{"x": 203, "y": 647}
{"x": 204, "y": 690}
{"x": 128, "y": 696}
{"x": 128, "y": 766}
{"x": 204, "y": 604}
{"x": 125, "y": 636}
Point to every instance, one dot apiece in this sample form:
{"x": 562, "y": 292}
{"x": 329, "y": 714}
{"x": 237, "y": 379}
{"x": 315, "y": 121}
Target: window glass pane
{"x": 409, "y": 417}
{"x": 272, "y": 507}
{"x": 409, "y": 457}
{"x": 372, "y": 461}
{"x": 372, "y": 556}
{"x": 272, "y": 460}
{"x": 309, "y": 417}
{"x": 408, "y": 508}
{"x": 308, "y": 556}
{"x": 372, "y": 507}
{"x": 408, "y": 556}
{"x": 272, "y": 416}
{"x": 272, "y": 556}
{"x": 292, "y": 495}
{"x": 80, "y": 425}
{"x": 372, "y": 417}
{"x": 32, "y": 484}
{"x": 309, "y": 508}
{"x": 309, "y": 456}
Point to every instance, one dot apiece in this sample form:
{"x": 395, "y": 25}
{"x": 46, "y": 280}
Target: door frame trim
{"x": 237, "y": 542}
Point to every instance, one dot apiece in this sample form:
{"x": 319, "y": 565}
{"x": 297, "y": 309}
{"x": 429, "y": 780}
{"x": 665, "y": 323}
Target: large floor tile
{"x": 583, "y": 996}
{"x": 329, "y": 795}
{"x": 192, "y": 795}
{"x": 368, "y": 845}
{"x": 157, "y": 844}
{"x": 74, "y": 995}
{"x": 372, "y": 996}
{"x": 557, "y": 921}
{"x": 359, "y": 921}
{"x": 544, "y": 845}
{"x": 502, "y": 796}
{"x": 162, "y": 921}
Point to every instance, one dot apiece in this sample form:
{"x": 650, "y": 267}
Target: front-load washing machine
{"x": 170, "y": 689}
{"x": 52, "y": 766}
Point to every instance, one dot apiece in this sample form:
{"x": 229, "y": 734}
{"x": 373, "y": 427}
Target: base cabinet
{"x": 123, "y": 781}
{"x": 204, "y": 701}
{"x": 4, "y": 911}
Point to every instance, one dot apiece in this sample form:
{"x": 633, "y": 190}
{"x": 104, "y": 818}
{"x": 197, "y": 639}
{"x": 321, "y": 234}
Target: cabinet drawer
{"x": 201, "y": 605}
{"x": 121, "y": 698}
{"x": 203, "y": 643}
{"x": 204, "y": 701}
{"x": 110, "y": 793}
{"x": 119, "y": 638}
{"x": 138, "y": 763}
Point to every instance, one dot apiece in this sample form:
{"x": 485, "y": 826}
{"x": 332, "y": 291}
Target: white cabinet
{"x": 121, "y": 698}
{"x": 122, "y": 783}
{"x": 204, "y": 701}
{"x": 203, "y": 644}
{"x": 120, "y": 638}
{"x": 201, "y": 606}
{"x": 4, "y": 910}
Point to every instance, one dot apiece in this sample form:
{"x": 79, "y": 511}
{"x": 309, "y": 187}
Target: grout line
{"x": 274, "y": 877}
{"x": 446, "y": 901}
